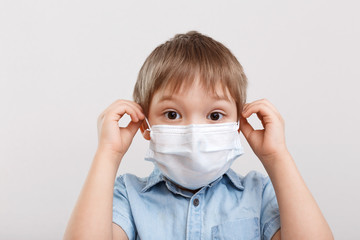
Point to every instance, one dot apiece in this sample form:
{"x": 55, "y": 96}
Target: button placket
{"x": 194, "y": 218}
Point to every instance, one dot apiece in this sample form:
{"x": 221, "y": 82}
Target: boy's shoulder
{"x": 139, "y": 183}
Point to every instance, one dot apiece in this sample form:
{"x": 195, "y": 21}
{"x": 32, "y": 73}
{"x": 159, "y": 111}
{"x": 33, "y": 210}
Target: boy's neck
{"x": 185, "y": 189}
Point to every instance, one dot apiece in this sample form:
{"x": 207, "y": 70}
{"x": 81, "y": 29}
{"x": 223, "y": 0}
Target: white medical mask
{"x": 195, "y": 155}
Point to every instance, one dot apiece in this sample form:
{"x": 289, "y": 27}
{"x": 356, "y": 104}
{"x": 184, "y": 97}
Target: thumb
{"x": 245, "y": 128}
{"x": 131, "y": 129}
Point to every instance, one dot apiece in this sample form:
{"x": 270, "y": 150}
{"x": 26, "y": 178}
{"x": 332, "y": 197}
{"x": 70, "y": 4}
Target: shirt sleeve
{"x": 270, "y": 215}
{"x": 122, "y": 215}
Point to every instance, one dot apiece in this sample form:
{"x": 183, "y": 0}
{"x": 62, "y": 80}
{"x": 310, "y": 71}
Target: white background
{"x": 63, "y": 62}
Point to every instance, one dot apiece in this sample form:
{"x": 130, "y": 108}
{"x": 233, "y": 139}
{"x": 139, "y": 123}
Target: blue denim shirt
{"x": 231, "y": 207}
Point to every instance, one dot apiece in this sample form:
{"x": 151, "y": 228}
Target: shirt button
{"x": 196, "y": 202}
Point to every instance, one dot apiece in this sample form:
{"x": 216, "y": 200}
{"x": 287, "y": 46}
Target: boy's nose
{"x": 195, "y": 120}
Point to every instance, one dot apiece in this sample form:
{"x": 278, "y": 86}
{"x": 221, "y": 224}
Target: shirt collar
{"x": 235, "y": 179}
{"x": 156, "y": 177}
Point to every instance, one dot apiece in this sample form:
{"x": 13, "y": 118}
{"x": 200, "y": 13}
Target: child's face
{"x": 194, "y": 105}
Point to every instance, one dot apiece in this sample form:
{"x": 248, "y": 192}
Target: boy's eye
{"x": 172, "y": 115}
{"x": 215, "y": 116}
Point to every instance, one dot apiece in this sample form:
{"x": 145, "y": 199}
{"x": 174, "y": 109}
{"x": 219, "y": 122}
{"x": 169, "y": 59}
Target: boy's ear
{"x": 239, "y": 121}
{"x": 145, "y": 133}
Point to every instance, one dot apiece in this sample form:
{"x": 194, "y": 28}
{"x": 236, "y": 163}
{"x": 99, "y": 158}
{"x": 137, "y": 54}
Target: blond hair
{"x": 180, "y": 60}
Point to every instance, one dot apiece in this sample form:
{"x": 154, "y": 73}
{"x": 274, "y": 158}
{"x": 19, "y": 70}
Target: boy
{"x": 190, "y": 103}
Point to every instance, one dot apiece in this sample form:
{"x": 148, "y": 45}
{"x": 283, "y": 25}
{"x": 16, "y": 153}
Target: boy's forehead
{"x": 217, "y": 92}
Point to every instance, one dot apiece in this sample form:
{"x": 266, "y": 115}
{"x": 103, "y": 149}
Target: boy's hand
{"x": 269, "y": 142}
{"x": 113, "y": 138}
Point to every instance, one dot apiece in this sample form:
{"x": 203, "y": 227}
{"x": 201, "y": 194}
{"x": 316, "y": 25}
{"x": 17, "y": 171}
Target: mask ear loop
{"x": 149, "y": 128}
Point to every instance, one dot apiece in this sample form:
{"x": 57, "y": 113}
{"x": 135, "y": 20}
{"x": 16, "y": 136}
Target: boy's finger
{"x": 262, "y": 111}
{"x": 245, "y": 127}
{"x": 139, "y": 110}
{"x": 271, "y": 106}
{"x": 115, "y": 106}
{"x": 261, "y": 119}
{"x": 130, "y": 130}
{"x": 264, "y": 102}
{"x": 121, "y": 107}
{"x": 119, "y": 110}
{"x": 136, "y": 107}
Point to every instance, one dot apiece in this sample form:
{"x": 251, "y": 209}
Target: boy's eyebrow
{"x": 221, "y": 97}
{"x": 165, "y": 98}
{"x": 216, "y": 96}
